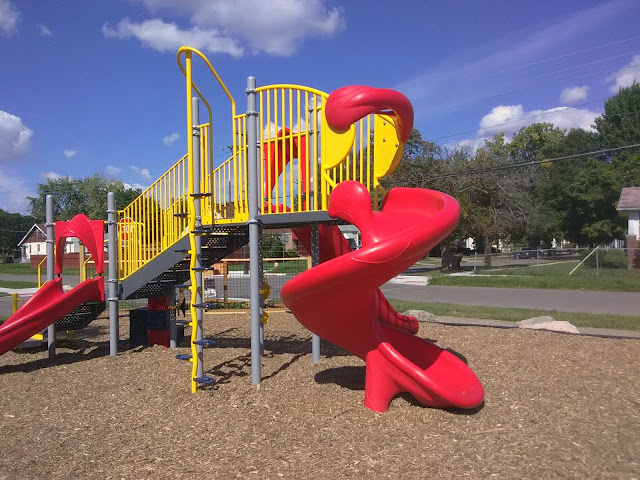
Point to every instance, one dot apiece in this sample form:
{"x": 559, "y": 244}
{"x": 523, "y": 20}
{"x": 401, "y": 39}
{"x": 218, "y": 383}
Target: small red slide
{"x": 339, "y": 300}
{"x": 48, "y": 305}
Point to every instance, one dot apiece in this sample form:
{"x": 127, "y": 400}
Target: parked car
{"x": 526, "y": 252}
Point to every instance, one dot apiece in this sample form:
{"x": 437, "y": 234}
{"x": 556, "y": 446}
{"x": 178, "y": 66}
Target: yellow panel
{"x": 335, "y": 146}
{"x": 387, "y": 148}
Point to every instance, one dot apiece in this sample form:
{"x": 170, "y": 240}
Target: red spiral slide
{"x": 340, "y": 300}
{"x": 50, "y": 303}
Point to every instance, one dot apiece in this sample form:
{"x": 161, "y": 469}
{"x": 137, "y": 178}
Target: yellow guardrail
{"x": 303, "y": 159}
{"x": 40, "y": 271}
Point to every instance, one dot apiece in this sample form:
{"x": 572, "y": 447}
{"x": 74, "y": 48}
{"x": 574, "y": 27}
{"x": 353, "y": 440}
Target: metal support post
{"x": 112, "y": 281}
{"x": 315, "y": 260}
{"x": 51, "y": 240}
{"x": 195, "y": 107}
{"x": 254, "y": 230}
{"x": 173, "y": 316}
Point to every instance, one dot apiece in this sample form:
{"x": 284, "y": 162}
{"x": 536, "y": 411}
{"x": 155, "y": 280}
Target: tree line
{"x": 71, "y": 196}
{"x": 538, "y": 186}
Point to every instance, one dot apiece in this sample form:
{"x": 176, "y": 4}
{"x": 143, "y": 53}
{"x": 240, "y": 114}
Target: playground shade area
{"x": 556, "y": 406}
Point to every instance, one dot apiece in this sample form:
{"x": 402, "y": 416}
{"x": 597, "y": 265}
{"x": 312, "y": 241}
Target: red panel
{"x": 89, "y": 232}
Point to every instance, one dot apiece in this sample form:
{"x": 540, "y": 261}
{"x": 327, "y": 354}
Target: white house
{"x": 630, "y": 202}
{"x": 34, "y": 243}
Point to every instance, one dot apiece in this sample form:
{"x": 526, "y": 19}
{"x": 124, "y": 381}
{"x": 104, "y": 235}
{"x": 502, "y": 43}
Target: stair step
{"x": 181, "y": 215}
{"x": 182, "y": 250}
{"x": 202, "y": 269}
{"x": 200, "y": 195}
{"x": 204, "y": 380}
{"x": 182, "y": 285}
{"x": 182, "y": 322}
{"x": 204, "y": 342}
{"x": 183, "y": 356}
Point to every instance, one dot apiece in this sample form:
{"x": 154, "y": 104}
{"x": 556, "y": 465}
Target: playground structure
{"x": 300, "y": 159}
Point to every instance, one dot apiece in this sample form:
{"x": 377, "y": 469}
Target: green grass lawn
{"x": 620, "y": 322}
{"x": 554, "y": 276}
{"x": 25, "y": 269}
{"x": 17, "y": 284}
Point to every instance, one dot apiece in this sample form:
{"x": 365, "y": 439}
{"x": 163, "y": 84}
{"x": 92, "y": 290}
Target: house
{"x": 630, "y": 202}
{"x": 34, "y": 244}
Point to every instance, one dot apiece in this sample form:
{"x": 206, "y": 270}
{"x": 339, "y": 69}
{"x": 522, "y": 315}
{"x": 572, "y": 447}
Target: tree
{"x": 72, "y": 196}
{"x": 619, "y": 126}
{"x": 13, "y": 227}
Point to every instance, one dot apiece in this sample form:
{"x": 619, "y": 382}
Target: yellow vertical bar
{"x": 369, "y": 153}
{"x": 263, "y": 178}
{"x": 290, "y": 139}
{"x": 307, "y": 187}
{"x": 360, "y": 153}
{"x": 300, "y": 206}
{"x": 276, "y": 161}
{"x": 267, "y": 153}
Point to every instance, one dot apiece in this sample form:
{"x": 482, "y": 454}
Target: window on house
{"x": 38, "y": 248}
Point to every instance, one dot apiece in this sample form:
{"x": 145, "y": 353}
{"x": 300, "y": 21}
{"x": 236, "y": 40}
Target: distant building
{"x": 34, "y": 243}
{"x": 630, "y": 202}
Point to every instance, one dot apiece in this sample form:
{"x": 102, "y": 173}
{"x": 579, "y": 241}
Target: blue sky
{"x": 90, "y": 87}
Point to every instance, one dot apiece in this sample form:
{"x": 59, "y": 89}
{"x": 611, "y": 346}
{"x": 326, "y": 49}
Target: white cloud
{"x": 51, "y": 175}
{"x": 130, "y": 186}
{"x": 44, "y": 30}
{"x": 511, "y": 118}
{"x": 8, "y": 18}
{"x": 70, "y": 153}
{"x": 167, "y": 37}
{"x": 278, "y": 27}
{"x": 112, "y": 171}
{"x": 625, "y": 76}
{"x": 144, "y": 173}
{"x": 14, "y": 192}
{"x": 571, "y": 95}
{"x": 15, "y": 137}
{"x": 170, "y": 139}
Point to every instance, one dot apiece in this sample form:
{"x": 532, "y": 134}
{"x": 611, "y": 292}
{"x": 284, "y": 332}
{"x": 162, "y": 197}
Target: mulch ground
{"x": 556, "y": 406}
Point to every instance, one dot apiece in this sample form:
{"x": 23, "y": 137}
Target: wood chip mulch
{"x": 556, "y": 406}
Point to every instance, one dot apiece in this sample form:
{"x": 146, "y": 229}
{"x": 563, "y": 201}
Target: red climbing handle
{"x": 346, "y": 105}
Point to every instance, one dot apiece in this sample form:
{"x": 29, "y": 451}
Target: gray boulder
{"x": 421, "y": 315}
{"x": 546, "y": 322}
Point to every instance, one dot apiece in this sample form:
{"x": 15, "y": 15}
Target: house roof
{"x": 629, "y": 199}
{"x": 40, "y": 227}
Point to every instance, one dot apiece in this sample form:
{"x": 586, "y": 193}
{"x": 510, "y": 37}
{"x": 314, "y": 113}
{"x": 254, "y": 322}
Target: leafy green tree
{"x": 13, "y": 227}
{"x": 619, "y": 126}
{"x": 80, "y": 195}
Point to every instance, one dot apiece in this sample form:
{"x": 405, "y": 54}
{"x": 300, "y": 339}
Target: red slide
{"x": 339, "y": 299}
{"x": 50, "y": 303}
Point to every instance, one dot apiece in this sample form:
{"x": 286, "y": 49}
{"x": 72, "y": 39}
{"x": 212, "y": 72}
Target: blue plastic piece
{"x": 183, "y": 356}
{"x": 204, "y": 342}
{"x": 204, "y": 380}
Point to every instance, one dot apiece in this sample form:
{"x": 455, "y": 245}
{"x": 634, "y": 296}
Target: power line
{"x": 566, "y": 55}
{"x": 515, "y": 165}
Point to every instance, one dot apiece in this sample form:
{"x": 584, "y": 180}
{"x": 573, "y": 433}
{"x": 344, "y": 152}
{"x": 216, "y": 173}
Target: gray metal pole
{"x": 195, "y": 107}
{"x": 51, "y": 239}
{"x": 315, "y": 260}
{"x": 254, "y": 229}
{"x": 173, "y": 316}
{"x": 114, "y": 318}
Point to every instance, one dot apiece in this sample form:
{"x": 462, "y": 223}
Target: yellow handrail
{"x": 40, "y": 271}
